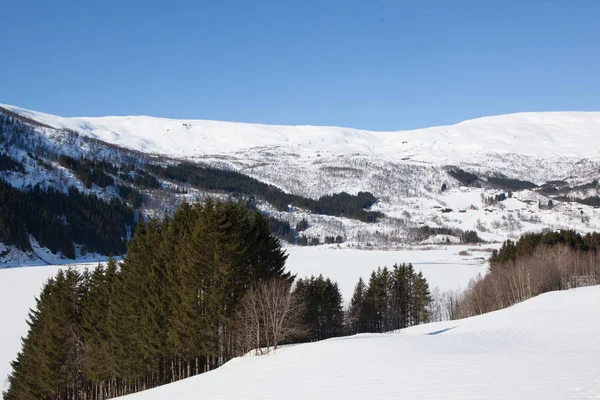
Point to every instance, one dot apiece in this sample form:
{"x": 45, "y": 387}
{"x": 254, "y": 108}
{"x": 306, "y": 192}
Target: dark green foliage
{"x": 282, "y": 230}
{"x": 7, "y": 163}
{"x": 393, "y": 299}
{"x": 510, "y": 184}
{"x": 345, "y": 205}
{"x": 469, "y": 237}
{"x": 550, "y": 188}
{"x": 341, "y": 204}
{"x": 562, "y": 188}
{"x": 356, "y": 318}
{"x": 143, "y": 179}
{"x": 593, "y": 201}
{"x": 164, "y": 314}
{"x": 464, "y": 177}
{"x": 302, "y": 225}
{"x": 323, "y": 315}
{"x": 57, "y": 220}
{"x": 495, "y": 199}
{"x": 49, "y": 364}
{"x": 424, "y": 232}
{"x": 528, "y": 243}
{"x": 90, "y": 172}
{"x": 334, "y": 239}
{"x": 130, "y": 195}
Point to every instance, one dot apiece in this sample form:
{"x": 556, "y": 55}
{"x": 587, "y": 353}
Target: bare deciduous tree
{"x": 269, "y": 315}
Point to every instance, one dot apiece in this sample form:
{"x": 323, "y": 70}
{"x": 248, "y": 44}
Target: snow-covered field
{"x": 442, "y": 266}
{"x": 545, "y": 348}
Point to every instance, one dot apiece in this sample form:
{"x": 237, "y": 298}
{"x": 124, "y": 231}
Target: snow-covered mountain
{"x": 539, "y": 135}
{"x": 450, "y": 178}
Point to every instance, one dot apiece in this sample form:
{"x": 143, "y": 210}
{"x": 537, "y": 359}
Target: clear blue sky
{"x": 377, "y": 64}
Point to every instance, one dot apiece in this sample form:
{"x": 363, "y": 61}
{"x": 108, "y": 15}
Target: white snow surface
{"x": 544, "y": 348}
{"x": 545, "y": 134}
{"x": 442, "y": 267}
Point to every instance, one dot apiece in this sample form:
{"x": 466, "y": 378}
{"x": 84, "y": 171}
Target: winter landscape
{"x": 307, "y": 200}
{"x": 445, "y": 217}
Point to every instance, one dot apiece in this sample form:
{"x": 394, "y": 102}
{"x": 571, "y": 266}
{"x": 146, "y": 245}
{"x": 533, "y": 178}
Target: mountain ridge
{"x": 440, "y": 184}
{"x": 547, "y": 132}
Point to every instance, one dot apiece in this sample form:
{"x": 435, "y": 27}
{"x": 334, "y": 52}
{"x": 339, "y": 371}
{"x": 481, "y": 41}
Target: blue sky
{"x": 381, "y": 65}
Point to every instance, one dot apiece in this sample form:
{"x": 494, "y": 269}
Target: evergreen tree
{"x": 164, "y": 313}
{"x": 356, "y": 321}
{"x": 49, "y": 364}
{"x": 393, "y": 299}
{"x": 324, "y": 315}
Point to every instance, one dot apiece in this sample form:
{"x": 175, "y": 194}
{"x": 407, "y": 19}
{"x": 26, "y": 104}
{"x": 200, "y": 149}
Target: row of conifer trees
{"x": 392, "y": 299}
{"x": 171, "y": 308}
{"x": 163, "y": 314}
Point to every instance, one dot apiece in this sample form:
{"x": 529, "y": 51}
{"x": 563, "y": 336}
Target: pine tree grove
{"x": 392, "y": 299}
{"x": 166, "y": 312}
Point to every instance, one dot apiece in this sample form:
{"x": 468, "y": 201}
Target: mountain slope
{"x": 550, "y": 134}
{"x": 428, "y": 185}
{"x": 544, "y": 348}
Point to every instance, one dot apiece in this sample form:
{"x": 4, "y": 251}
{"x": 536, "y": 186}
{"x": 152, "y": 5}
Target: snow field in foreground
{"x": 442, "y": 267}
{"x": 544, "y": 348}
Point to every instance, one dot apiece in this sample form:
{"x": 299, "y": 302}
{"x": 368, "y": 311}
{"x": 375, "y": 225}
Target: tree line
{"x": 535, "y": 264}
{"x": 392, "y": 299}
{"x": 7, "y": 163}
{"x": 207, "y": 178}
{"x": 57, "y": 220}
{"x": 166, "y": 312}
{"x": 195, "y": 289}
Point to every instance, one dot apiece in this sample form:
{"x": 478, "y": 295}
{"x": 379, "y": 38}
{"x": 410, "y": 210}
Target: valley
{"x": 488, "y": 179}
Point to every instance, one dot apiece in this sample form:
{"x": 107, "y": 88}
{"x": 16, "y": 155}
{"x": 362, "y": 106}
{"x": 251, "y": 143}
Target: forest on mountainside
{"x": 62, "y": 217}
{"x": 59, "y": 220}
{"x": 213, "y": 179}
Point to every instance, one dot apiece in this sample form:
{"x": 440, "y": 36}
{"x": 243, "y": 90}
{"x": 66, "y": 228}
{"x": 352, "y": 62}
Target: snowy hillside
{"x": 430, "y": 185}
{"x": 543, "y": 135}
{"x": 544, "y": 348}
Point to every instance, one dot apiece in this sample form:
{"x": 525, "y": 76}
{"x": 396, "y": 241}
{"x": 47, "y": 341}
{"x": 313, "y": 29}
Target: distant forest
{"x": 535, "y": 264}
{"x": 340, "y": 204}
{"x": 58, "y": 220}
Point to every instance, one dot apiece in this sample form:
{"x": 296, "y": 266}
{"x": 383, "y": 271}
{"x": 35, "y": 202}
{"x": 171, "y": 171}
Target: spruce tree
{"x": 356, "y": 319}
